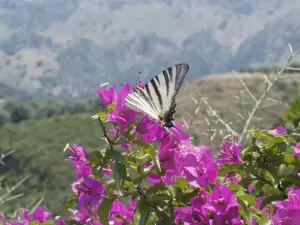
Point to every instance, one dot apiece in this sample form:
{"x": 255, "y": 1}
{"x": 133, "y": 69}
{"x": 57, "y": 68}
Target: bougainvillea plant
{"x": 150, "y": 175}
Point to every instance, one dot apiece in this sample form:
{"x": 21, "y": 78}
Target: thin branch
{"x": 106, "y": 138}
{"x": 3, "y": 197}
{"x": 293, "y": 68}
{"x": 245, "y": 86}
{"x": 214, "y": 113}
{"x": 37, "y": 204}
{"x": 263, "y": 96}
{"x": 197, "y": 102}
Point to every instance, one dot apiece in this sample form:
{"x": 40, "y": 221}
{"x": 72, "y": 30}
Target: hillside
{"x": 39, "y": 153}
{"x": 40, "y": 140}
{"x": 227, "y": 95}
{"x": 67, "y": 48}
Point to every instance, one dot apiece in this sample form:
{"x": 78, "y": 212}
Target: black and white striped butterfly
{"x": 157, "y": 98}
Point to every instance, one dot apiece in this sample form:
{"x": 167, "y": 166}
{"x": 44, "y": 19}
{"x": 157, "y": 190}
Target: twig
{"x": 197, "y": 102}
{"x": 293, "y": 68}
{"x": 262, "y": 97}
{"x": 3, "y": 197}
{"x": 109, "y": 142}
{"x": 214, "y": 113}
{"x": 245, "y": 86}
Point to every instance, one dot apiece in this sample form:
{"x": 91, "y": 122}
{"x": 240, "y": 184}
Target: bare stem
{"x": 270, "y": 83}
{"x": 214, "y": 113}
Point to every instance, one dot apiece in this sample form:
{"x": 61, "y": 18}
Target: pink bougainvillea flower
{"x": 108, "y": 96}
{"x": 277, "y": 131}
{"x": 59, "y": 221}
{"x": 3, "y": 218}
{"x": 82, "y": 170}
{"x": 288, "y": 211}
{"x": 297, "y": 149}
{"x": 120, "y": 214}
{"x": 89, "y": 190}
{"x": 78, "y": 154}
{"x": 82, "y": 215}
{"x": 223, "y": 204}
{"x": 196, "y": 214}
{"x": 122, "y": 116}
{"x": 122, "y": 93}
{"x": 231, "y": 154}
{"x": 25, "y": 214}
{"x": 40, "y": 215}
{"x": 168, "y": 178}
{"x": 197, "y": 165}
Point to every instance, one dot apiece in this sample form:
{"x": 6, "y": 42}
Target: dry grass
{"x": 226, "y": 94}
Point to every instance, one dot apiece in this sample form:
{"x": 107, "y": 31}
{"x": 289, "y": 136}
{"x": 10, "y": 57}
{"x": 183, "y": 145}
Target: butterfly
{"x": 157, "y": 98}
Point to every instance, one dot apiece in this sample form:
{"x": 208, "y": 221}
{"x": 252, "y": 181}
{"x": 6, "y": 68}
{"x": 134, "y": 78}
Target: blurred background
{"x": 55, "y": 54}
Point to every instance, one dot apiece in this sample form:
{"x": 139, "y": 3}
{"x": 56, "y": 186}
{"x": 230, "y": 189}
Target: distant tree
{"x": 20, "y": 113}
{"x": 78, "y": 108}
{"x": 48, "y": 112}
{"x": 4, "y": 118}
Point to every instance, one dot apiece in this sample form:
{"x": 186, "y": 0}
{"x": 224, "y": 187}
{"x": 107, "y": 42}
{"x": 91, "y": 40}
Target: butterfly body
{"x": 157, "y": 98}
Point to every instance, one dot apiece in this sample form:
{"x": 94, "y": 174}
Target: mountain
{"x": 67, "y": 48}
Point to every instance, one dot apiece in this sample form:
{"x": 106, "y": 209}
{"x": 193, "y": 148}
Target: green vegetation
{"x": 38, "y": 131}
{"x": 25, "y": 109}
{"x": 39, "y": 153}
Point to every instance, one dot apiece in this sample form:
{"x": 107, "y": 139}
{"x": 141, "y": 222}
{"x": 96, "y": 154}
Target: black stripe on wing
{"x": 181, "y": 71}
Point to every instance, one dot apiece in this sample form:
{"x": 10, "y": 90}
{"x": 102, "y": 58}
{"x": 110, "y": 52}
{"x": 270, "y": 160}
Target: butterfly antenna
{"x": 138, "y": 78}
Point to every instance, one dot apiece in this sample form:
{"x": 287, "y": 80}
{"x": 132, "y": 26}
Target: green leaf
{"x": 120, "y": 175}
{"x": 282, "y": 170}
{"x": 276, "y": 140}
{"x": 161, "y": 197}
{"x": 227, "y": 168}
{"x": 288, "y": 158}
{"x": 104, "y": 209}
{"x": 155, "y": 188}
{"x": 268, "y": 199}
{"x": 254, "y": 213}
{"x": 113, "y": 154}
{"x": 102, "y": 116}
{"x": 234, "y": 187}
{"x": 164, "y": 221}
{"x": 128, "y": 130}
{"x": 148, "y": 148}
{"x": 110, "y": 107}
{"x": 243, "y": 210}
{"x": 293, "y": 178}
{"x": 267, "y": 175}
{"x": 97, "y": 170}
{"x": 258, "y": 185}
{"x": 249, "y": 199}
{"x": 255, "y": 133}
{"x": 176, "y": 192}
{"x": 187, "y": 196}
{"x": 269, "y": 189}
{"x": 141, "y": 214}
{"x": 181, "y": 183}
{"x": 71, "y": 202}
{"x": 95, "y": 157}
{"x": 48, "y": 222}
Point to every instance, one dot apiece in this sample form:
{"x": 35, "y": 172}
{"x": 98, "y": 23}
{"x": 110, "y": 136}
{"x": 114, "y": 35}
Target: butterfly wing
{"x": 158, "y": 95}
